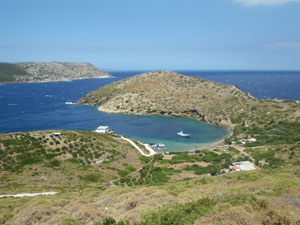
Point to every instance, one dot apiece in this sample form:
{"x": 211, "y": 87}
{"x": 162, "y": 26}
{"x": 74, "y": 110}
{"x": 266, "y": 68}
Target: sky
{"x": 153, "y": 35}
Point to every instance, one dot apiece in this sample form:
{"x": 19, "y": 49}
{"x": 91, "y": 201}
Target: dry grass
{"x": 277, "y": 190}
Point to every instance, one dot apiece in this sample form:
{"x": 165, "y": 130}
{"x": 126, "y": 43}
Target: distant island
{"x": 33, "y": 72}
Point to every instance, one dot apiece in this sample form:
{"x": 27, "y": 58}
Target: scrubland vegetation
{"x": 38, "y": 160}
{"x": 269, "y": 196}
{"x": 10, "y": 72}
{"x": 103, "y": 180}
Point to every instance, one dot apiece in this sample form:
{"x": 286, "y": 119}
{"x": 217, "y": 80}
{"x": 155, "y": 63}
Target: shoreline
{"x": 59, "y": 80}
{"x": 206, "y": 146}
{"x": 230, "y": 128}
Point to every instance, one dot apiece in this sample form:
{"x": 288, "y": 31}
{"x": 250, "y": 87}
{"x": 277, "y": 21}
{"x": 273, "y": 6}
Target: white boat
{"x": 181, "y": 134}
{"x": 69, "y": 103}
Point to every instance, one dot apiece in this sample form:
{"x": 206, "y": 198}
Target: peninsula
{"x": 170, "y": 93}
{"x": 33, "y": 72}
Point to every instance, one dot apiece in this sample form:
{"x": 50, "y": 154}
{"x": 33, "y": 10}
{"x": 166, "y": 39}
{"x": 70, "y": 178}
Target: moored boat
{"x": 181, "y": 134}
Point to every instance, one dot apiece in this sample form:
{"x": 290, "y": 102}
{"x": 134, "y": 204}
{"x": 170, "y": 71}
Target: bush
{"x": 111, "y": 221}
{"x": 91, "y": 177}
{"x": 123, "y": 173}
{"x": 69, "y": 221}
{"x": 179, "y": 214}
{"x": 211, "y": 169}
{"x": 214, "y": 157}
{"x": 145, "y": 159}
{"x": 74, "y": 161}
{"x": 54, "y": 163}
{"x": 158, "y": 157}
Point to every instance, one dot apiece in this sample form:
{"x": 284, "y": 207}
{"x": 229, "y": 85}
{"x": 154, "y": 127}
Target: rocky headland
{"x": 29, "y": 72}
{"x": 170, "y": 93}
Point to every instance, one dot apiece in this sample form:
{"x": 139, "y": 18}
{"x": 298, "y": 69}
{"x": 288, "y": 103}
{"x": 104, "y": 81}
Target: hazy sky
{"x": 153, "y": 34}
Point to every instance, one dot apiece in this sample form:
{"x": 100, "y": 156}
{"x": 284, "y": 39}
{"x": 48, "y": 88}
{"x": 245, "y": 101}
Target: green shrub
{"x": 69, "y": 221}
{"x": 210, "y": 169}
{"x": 74, "y": 161}
{"x": 110, "y": 221}
{"x": 158, "y": 157}
{"x": 145, "y": 159}
{"x": 54, "y": 163}
{"x": 123, "y": 173}
{"x": 92, "y": 177}
{"x": 179, "y": 214}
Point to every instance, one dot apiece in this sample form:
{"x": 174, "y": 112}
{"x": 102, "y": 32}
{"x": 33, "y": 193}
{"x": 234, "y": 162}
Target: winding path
{"x": 151, "y": 151}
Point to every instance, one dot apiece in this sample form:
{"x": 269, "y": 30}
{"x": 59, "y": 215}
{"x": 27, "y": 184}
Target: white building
{"x": 251, "y": 140}
{"x": 243, "y": 166}
{"x": 103, "y": 129}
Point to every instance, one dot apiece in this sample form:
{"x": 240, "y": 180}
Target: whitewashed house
{"x": 243, "y": 166}
{"x": 103, "y": 129}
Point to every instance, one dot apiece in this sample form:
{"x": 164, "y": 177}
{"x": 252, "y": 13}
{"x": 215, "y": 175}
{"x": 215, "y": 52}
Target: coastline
{"x": 205, "y": 146}
{"x": 101, "y": 109}
{"x": 53, "y": 81}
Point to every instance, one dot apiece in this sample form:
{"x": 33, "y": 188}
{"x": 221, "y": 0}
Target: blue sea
{"x": 39, "y": 106}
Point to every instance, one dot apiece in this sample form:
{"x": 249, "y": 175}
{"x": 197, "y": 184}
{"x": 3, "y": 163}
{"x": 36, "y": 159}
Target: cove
{"x": 29, "y": 107}
{"x": 145, "y": 128}
{"x": 163, "y": 129}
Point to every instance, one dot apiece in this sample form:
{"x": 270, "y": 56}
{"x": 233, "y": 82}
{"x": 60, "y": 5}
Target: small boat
{"x": 69, "y": 103}
{"x": 181, "y": 134}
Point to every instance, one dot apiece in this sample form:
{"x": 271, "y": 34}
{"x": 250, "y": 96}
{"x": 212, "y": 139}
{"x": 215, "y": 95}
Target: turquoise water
{"x": 163, "y": 129}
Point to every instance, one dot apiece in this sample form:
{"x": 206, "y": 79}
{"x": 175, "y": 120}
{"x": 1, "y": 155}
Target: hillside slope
{"x": 10, "y": 72}
{"x": 34, "y": 161}
{"x": 100, "y": 176}
{"x": 249, "y": 198}
{"x": 169, "y": 93}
